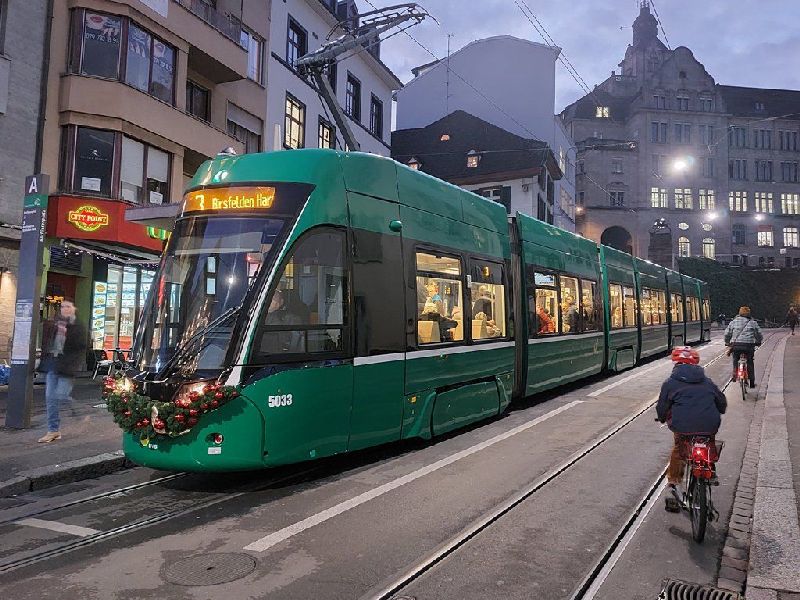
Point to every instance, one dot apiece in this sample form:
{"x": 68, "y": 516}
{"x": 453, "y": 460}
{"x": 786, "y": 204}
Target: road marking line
{"x": 281, "y": 535}
{"x": 59, "y": 527}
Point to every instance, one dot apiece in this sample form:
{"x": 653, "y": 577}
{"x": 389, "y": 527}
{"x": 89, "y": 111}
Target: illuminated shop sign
{"x": 88, "y": 218}
{"x": 230, "y": 199}
{"x": 157, "y": 234}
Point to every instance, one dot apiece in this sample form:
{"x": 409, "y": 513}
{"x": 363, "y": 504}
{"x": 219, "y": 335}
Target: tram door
{"x": 379, "y": 322}
{"x": 304, "y": 339}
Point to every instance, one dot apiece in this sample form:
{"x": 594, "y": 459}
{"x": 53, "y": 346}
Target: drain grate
{"x": 680, "y": 590}
{"x": 208, "y": 569}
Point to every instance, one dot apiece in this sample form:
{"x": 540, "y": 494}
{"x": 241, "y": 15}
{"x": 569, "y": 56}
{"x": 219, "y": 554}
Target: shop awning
{"x": 119, "y": 254}
{"x": 160, "y": 216}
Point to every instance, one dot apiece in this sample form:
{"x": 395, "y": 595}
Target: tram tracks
{"x": 395, "y": 588}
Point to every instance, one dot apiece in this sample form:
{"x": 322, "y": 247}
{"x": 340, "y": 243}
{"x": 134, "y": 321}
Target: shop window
{"x": 146, "y": 63}
{"x": 93, "y": 161}
{"x": 590, "y": 305}
{"x": 570, "y": 305}
{"x": 629, "y": 306}
{"x": 488, "y": 301}
{"x": 543, "y": 312}
{"x": 439, "y": 299}
{"x": 615, "y": 305}
{"x": 307, "y": 312}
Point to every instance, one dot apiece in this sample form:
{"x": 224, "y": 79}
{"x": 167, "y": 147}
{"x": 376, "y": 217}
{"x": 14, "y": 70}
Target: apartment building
{"x": 715, "y": 166}
{"x": 140, "y": 93}
{"x": 296, "y": 116}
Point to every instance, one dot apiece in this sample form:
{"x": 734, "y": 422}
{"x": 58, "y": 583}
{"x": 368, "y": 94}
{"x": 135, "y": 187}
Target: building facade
{"x": 23, "y": 29}
{"x": 478, "y": 79}
{"x": 663, "y": 148}
{"x": 296, "y": 115}
{"x": 519, "y": 173}
{"x": 141, "y": 92}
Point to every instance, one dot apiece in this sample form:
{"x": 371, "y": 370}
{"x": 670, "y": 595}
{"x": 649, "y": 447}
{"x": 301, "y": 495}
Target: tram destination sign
{"x": 229, "y": 199}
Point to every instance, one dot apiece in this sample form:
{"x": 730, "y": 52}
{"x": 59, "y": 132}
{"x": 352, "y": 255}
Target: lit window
{"x": 658, "y": 197}
{"x": 683, "y": 198}
{"x": 765, "y": 238}
{"x": 709, "y": 248}
{"x": 707, "y": 226}
{"x": 790, "y": 237}
{"x": 683, "y": 226}
{"x": 445, "y": 137}
{"x": 737, "y": 201}
{"x": 414, "y": 164}
{"x": 707, "y": 201}
{"x": 790, "y": 204}
{"x": 601, "y": 112}
{"x": 684, "y": 247}
{"x": 763, "y": 202}
{"x": 473, "y": 158}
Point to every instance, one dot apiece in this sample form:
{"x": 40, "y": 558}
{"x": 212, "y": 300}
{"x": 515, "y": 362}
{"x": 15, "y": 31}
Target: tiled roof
{"x": 742, "y": 102}
{"x": 501, "y": 152}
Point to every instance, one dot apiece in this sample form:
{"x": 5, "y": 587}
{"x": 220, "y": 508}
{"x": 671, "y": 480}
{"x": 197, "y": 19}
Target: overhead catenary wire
{"x": 658, "y": 20}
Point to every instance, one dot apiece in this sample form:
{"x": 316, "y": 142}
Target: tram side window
{"x": 307, "y": 311}
{"x": 543, "y": 310}
{"x": 615, "y": 305}
{"x": 659, "y": 306}
{"x": 706, "y": 310}
{"x": 695, "y": 309}
{"x": 590, "y": 305}
{"x": 646, "y": 307}
{"x": 629, "y": 306}
{"x": 488, "y": 301}
{"x": 676, "y": 308}
{"x": 570, "y": 305}
{"x": 440, "y": 299}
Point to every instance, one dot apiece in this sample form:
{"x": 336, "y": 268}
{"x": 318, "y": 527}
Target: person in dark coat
{"x": 63, "y": 353}
{"x": 792, "y": 318}
{"x": 692, "y": 405}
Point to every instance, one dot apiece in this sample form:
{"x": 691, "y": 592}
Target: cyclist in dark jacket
{"x": 692, "y": 404}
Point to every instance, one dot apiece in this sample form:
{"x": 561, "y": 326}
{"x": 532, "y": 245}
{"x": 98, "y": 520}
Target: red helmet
{"x": 685, "y": 355}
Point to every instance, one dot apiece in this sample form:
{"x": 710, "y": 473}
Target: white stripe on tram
{"x": 267, "y": 542}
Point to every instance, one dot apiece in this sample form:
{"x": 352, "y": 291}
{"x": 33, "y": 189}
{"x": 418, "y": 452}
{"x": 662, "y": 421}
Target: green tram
{"x": 354, "y": 302}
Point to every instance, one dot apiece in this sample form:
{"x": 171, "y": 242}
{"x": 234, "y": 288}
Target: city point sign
{"x": 88, "y": 218}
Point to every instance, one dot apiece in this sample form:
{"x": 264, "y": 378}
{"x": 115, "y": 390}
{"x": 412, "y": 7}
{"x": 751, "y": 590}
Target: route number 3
{"x": 277, "y": 401}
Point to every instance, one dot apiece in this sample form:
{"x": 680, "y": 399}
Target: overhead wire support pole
{"x": 358, "y": 32}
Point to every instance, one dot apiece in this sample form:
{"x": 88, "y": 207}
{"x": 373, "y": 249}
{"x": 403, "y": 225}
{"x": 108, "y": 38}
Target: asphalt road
{"x": 351, "y": 526}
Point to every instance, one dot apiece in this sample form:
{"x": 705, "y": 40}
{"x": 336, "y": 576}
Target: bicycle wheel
{"x": 698, "y": 508}
{"x": 743, "y": 384}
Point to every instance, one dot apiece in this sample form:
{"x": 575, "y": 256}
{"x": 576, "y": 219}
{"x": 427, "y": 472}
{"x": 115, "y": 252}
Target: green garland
{"x": 141, "y": 415}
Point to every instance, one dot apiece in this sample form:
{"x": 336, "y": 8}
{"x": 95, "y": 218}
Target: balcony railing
{"x": 227, "y": 25}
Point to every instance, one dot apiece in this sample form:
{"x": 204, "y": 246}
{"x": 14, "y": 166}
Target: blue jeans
{"x": 58, "y": 390}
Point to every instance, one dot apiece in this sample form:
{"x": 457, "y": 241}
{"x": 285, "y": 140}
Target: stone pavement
{"x": 90, "y": 444}
{"x": 773, "y": 572}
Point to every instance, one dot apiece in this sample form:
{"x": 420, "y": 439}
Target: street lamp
{"x": 682, "y": 164}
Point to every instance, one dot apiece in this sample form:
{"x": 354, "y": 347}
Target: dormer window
{"x": 445, "y": 137}
{"x": 760, "y": 107}
{"x": 473, "y": 158}
{"x": 414, "y": 164}
{"x": 601, "y": 112}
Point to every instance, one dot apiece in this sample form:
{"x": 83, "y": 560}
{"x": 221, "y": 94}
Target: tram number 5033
{"x": 277, "y": 401}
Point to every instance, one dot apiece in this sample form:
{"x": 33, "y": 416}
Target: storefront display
{"x": 117, "y": 304}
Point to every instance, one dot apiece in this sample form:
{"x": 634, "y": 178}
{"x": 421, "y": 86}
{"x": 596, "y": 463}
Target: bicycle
{"x": 698, "y": 479}
{"x": 742, "y": 375}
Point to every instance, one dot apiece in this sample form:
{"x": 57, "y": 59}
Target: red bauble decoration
{"x": 219, "y": 395}
{"x": 234, "y": 394}
{"x": 158, "y": 424}
{"x": 192, "y": 422}
{"x": 145, "y": 422}
{"x": 127, "y": 413}
{"x": 180, "y": 418}
{"x": 193, "y": 412}
{"x": 214, "y": 404}
{"x": 194, "y": 395}
{"x": 204, "y": 407}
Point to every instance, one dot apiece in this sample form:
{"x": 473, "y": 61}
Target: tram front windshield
{"x": 208, "y": 267}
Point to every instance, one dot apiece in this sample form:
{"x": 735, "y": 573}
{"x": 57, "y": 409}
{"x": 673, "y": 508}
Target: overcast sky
{"x": 740, "y": 42}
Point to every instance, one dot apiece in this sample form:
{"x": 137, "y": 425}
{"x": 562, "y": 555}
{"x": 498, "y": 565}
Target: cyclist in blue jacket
{"x": 692, "y": 405}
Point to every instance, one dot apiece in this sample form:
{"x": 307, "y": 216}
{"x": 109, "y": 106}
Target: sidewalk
{"x": 90, "y": 444}
{"x": 773, "y": 571}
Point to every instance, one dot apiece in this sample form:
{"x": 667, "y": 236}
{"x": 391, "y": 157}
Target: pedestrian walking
{"x": 63, "y": 350}
{"x": 792, "y": 318}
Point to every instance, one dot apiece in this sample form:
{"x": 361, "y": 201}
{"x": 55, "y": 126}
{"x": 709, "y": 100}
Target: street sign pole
{"x": 26, "y": 319}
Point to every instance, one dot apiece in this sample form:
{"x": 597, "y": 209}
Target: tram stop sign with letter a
{"x": 26, "y": 313}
